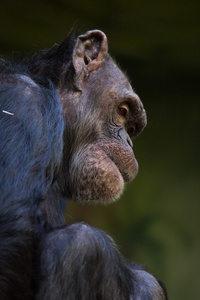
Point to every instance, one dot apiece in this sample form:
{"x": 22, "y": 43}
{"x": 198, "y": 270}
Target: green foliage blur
{"x": 156, "y": 222}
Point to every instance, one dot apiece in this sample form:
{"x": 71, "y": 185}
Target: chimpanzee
{"x": 68, "y": 115}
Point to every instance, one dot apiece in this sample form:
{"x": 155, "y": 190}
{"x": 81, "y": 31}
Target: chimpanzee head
{"x": 102, "y": 114}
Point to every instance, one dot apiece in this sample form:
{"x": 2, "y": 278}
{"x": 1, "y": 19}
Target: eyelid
{"x": 123, "y": 107}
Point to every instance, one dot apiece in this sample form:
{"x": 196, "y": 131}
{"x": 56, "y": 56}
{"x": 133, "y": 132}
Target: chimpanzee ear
{"x": 89, "y": 52}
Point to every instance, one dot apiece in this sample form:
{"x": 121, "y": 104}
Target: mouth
{"x": 123, "y": 158}
{"x": 130, "y": 172}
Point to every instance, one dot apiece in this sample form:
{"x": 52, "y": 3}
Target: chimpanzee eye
{"x": 123, "y": 110}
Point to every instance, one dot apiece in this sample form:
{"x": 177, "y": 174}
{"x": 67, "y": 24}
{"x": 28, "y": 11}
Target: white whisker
{"x": 7, "y": 112}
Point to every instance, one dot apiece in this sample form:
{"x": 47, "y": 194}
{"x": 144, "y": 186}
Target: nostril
{"x": 131, "y": 131}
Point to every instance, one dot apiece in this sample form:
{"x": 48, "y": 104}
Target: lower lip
{"x": 131, "y": 171}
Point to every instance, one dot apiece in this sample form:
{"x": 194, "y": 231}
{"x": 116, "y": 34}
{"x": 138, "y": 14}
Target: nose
{"x": 129, "y": 141}
{"x": 125, "y": 137}
{"x": 139, "y": 115}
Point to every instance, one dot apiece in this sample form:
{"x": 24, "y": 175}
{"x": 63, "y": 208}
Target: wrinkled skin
{"x": 68, "y": 115}
{"x": 110, "y": 115}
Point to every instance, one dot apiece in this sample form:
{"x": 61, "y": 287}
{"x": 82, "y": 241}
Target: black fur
{"x": 31, "y": 130}
{"x": 40, "y": 256}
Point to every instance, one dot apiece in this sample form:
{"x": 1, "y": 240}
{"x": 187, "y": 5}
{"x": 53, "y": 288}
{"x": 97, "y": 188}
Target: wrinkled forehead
{"x": 109, "y": 85}
{"x": 116, "y": 76}
{"x": 116, "y": 84}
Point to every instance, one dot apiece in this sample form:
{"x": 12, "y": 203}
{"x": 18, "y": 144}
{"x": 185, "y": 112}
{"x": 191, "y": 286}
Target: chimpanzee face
{"x": 104, "y": 114}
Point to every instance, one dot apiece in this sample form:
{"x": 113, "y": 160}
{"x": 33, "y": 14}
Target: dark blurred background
{"x": 157, "y": 43}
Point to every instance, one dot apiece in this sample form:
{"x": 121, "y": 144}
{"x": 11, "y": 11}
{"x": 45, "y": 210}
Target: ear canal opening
{"x": 86, "y": 60}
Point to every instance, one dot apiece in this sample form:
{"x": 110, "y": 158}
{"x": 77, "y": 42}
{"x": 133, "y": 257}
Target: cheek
{"x": 95, "y": 176}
